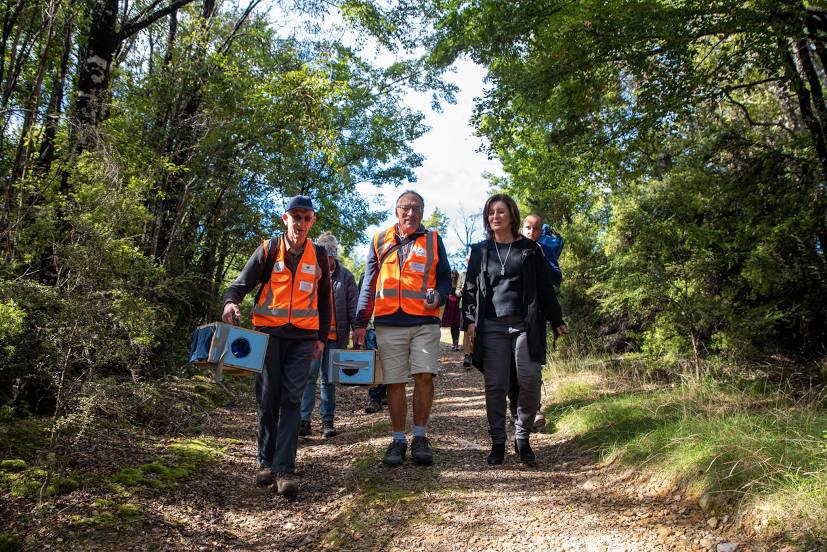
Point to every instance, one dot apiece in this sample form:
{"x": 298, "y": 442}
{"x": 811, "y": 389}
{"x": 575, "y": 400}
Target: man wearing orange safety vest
{"x": 407, "y": 279}
{"x": 293, "y": 307}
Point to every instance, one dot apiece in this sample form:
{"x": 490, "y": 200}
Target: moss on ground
{"x": 10, "y": 542}
{"x": 384, "y": 503}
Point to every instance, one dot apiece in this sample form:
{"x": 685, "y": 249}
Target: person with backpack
{"x": 343, "y": 297}
{"x": 551, "y": 244}
{"x": 507, "y": 299}
{"x": 407, "y": 279}
{"x": 293, "y": 307}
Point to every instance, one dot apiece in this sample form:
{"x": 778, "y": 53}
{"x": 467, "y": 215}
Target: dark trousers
{"x": 279, "y": 390}
{"x": 502, "y": 344}
{"x": 455, "y": 334}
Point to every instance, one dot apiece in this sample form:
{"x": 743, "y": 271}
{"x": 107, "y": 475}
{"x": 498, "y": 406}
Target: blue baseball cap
{"x": 299, "y": 202}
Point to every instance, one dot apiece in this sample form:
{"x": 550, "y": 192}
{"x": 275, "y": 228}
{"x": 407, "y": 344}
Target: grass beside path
{"x": 742, "y": 447}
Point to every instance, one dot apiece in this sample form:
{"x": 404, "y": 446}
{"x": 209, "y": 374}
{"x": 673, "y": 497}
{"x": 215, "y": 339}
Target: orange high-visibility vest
{"x": 405, "y": 287}
{"x": 289, "y": 299}
{"x": 332, "y": 334}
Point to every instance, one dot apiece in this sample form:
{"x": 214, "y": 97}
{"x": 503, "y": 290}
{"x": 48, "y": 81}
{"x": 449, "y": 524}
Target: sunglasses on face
{"x": 300, "y": 218}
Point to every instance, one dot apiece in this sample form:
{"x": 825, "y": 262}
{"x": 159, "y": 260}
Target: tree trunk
{"x": 47, "y": 146}
{"x": 93, "y": 78}
{"x": 804, "y": 105}
{"x": 24, "y": 145}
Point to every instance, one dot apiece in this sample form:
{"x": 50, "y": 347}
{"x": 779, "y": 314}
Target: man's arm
{"x": 367, "y": 295}
{"x": 443, "y": 272}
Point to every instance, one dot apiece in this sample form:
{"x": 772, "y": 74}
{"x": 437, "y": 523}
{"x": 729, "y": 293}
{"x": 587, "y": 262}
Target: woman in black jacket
{"x": 508, "y": 297}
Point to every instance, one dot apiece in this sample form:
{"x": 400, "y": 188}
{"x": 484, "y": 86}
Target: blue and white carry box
{"x": 354, "y": 367}
{"x": 230, "y": 349}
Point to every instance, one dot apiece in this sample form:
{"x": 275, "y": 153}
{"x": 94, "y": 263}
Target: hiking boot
{"x": 539, "y": 421}
{"x": 523, "y": 448}
{"x": 395, "y": 454}
{"x": 497, "y": 454}
{"x": 304, "y": 428}
{"x": 328, "y": 430}
{"x": 373, "y": 407}
{"x": 286, "y": 485}
{"x": 264, "y": 476}
{"x": 466, "y": 361}
{"x": 421, "y": 452}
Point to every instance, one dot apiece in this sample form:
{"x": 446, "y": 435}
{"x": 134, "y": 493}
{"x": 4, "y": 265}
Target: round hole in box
{"x": 240, "y": 347}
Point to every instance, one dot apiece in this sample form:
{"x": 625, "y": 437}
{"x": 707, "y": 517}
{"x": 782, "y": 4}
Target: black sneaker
{"x": 421, "y": 452}
{"x": 395, "y": 454}
{"x": 466, "y": 361}
{"x": 304, "y": 428}
{"x": 373, "y": 407}
{"x": 328, "y": 430}
{"x": 523, "y": 448}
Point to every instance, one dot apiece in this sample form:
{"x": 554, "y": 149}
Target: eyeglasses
{"x": 409, "y": 208}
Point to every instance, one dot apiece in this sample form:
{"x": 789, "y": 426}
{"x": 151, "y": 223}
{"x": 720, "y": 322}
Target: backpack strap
{"x": 270, "y": 251}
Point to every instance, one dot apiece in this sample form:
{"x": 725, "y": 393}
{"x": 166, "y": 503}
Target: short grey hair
{"x": 406, "y": 192}
{"x": 330, "y": 244}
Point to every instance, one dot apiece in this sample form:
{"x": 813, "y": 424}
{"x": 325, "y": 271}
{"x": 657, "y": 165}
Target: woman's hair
{"x": 513, "y": 212}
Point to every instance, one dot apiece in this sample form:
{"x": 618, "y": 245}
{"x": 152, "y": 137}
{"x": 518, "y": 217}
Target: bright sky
{"x": 450, "y": 177}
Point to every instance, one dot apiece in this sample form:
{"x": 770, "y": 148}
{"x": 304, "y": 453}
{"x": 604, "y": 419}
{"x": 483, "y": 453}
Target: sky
{"x": 451, "y": 175}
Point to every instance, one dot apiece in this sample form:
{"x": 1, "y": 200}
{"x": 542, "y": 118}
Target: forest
{"x": 146, "y": 147}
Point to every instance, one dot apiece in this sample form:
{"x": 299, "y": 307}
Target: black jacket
{"x": 539, "y": 301}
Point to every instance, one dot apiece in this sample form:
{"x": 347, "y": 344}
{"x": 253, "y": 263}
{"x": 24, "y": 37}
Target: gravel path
{"x": 350, "y": 501}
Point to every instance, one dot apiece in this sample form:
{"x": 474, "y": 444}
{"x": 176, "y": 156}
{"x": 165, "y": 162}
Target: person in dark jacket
{"x": 293, "y": 307}
{"x": 450, "y": 316}
{"x": 507, "y": 298}
{"x": 345, "y": 295}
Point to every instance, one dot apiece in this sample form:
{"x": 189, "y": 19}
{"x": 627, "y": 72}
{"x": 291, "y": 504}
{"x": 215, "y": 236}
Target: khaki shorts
{"x": 408, "y": 350}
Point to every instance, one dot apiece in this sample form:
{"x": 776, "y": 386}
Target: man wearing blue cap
{"x": 293, "y": 307}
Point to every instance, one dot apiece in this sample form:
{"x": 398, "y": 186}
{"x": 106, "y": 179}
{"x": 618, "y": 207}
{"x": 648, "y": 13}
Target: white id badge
{"x": 278, "y": 267}
{"x": 308, "y": 268}
{"x": 417, "y": 267}
{"x": 305, "y": 286}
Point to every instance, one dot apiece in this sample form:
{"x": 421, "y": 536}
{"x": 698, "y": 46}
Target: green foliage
{"x": 10, "y": 542}
{"x": 120, "y": 233}
{"x": 679, "y": 149}
{"x": 437, "y": 221}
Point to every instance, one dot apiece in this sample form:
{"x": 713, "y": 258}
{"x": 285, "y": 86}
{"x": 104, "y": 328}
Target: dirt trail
{"x": 350, "y": 501}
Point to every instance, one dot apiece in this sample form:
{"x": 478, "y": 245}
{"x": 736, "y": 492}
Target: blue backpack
{"x": 552, "y": 245}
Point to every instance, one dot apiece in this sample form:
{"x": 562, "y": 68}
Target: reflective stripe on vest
{"x": 405, "y": 288}
{"x": 289, "y": 298}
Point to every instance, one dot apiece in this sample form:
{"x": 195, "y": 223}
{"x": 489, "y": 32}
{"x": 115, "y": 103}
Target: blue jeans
{"x": 279, "y": 390}
{"x": 327, "y": 408}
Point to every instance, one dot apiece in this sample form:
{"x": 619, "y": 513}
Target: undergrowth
{"x": 757, "y": 449}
